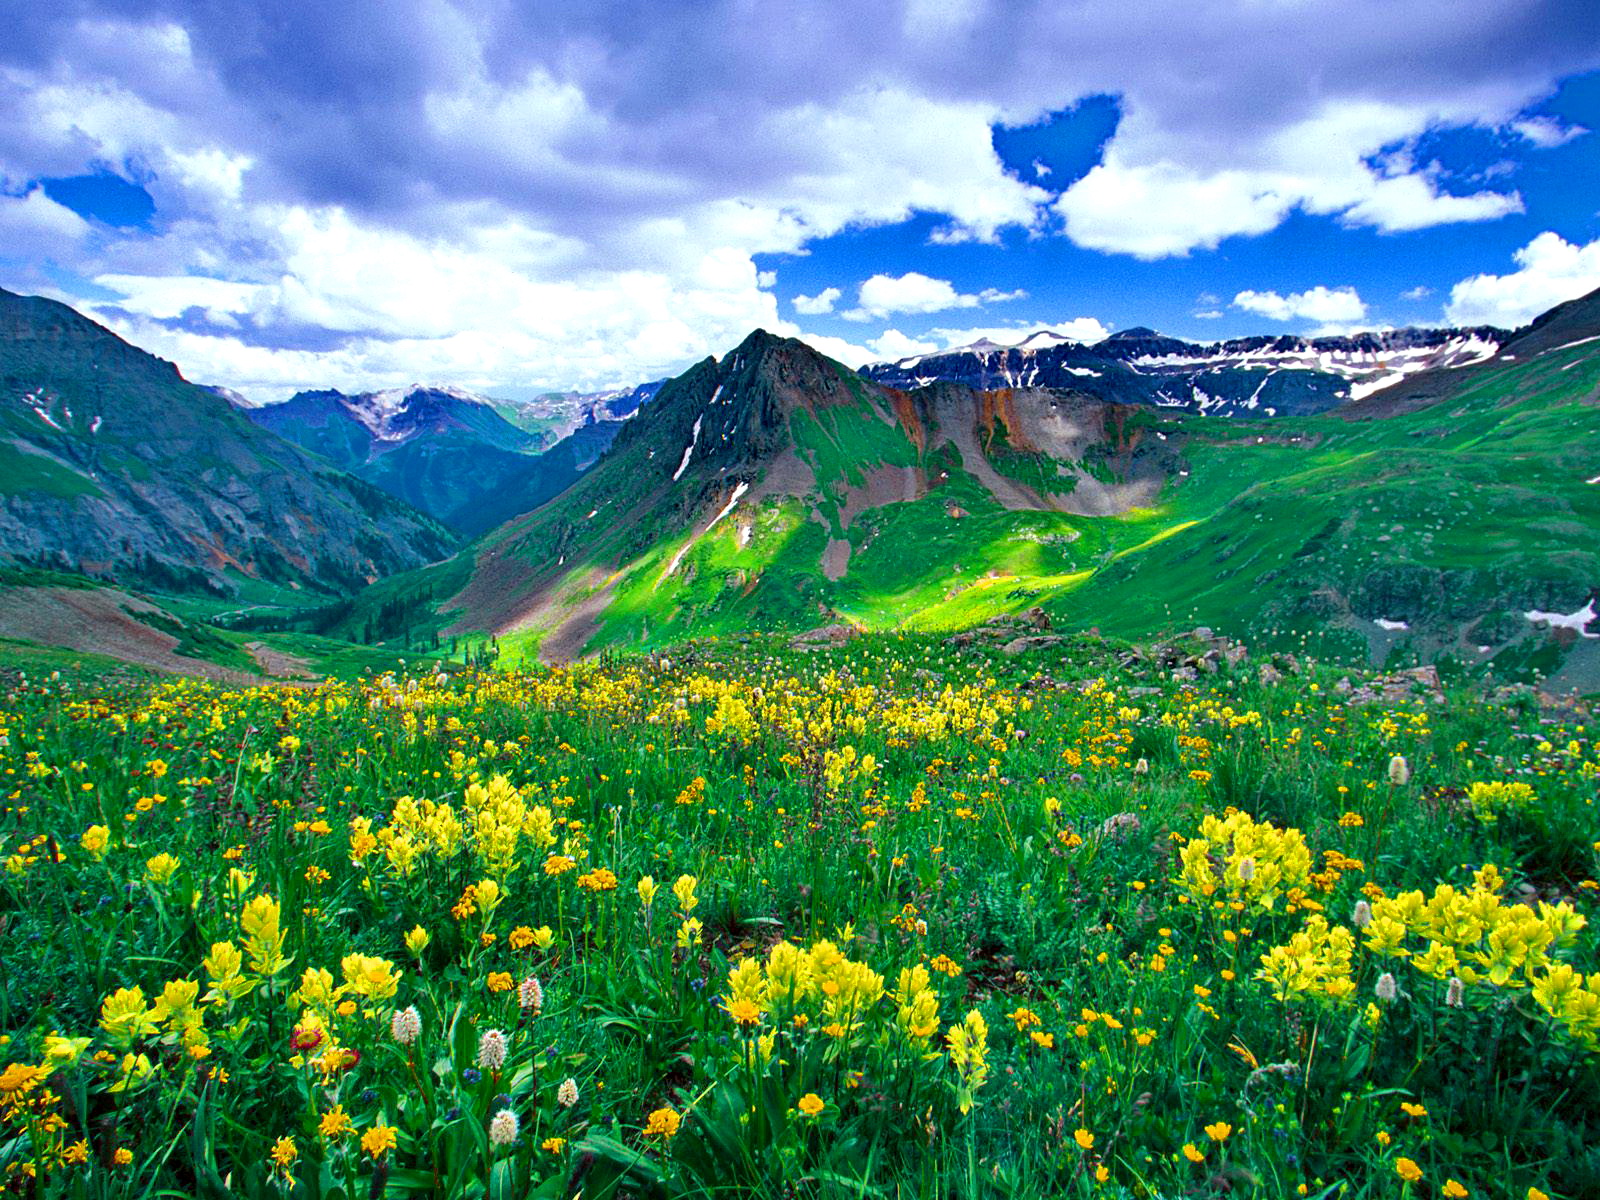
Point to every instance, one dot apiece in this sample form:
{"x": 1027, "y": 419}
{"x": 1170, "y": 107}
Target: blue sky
{"x": 517, "y": 199}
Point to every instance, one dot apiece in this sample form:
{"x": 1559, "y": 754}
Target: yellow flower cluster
{"x": 968, "y": 1045}
{"x": 1463, "y": 937}
{"x": 1471, "y": 934}
{"x": 1490, "y": 800}
{"x": 1315, "y": 962}
{"x": 793, "y": 979}
{"x": 1572, "y": 1000}
{"x": 493, "y": 821}
{"x": 1251, "y": 862}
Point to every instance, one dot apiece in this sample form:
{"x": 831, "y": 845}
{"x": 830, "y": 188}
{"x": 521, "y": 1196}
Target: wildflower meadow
{"x": 894, "y": 918}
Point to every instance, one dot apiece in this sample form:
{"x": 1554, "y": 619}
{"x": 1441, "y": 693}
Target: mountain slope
{"x": 112, "y": 464}
{"x": 444, "y": 451}
{"x": 777, "y": 487}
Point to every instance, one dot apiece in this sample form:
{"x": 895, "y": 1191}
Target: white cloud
{"x": 1161, "y": 209}
{"x": 1550, "y": 270}
{"x": 1546, "y": 132}
{"x": 1331, "y": 306}
{"x": 893, "y": 345}
{"x": 33, "y": 226}
{"x": 883, "y": 295}
{"x": 1083, "y": 329}
{"x": 473, "y": 312}
{"x": 1421, "y": 292}
{"x": 550, "y": 199}
{"x": 173, "y": 295}
{"x": 1158, "y": 194}
{"x": 822, "y": 302}
{"x": 843, "y": 351}
{"x": 1208, "y": 314}
{"x": 1409, "y": 202}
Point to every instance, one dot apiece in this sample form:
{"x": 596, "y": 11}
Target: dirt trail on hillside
{"x": 278, "y": 664}
{"x": 565, "y": 643}
{"x": 102, "y": 621}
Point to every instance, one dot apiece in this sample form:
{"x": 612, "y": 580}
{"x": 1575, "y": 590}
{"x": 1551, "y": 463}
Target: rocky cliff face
{"x": 112, "y": 464}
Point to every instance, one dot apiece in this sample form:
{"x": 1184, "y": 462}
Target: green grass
{"x": 23, "y": 472}
{"x": 1020, "y": 844}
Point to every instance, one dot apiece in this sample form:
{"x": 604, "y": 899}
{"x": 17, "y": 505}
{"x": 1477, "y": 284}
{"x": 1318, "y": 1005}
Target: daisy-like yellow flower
{"x": 744, "y": 1012}
{"x": 18, "y": 1079}
{"x": 335, "y": 1123}
{"x": 1084, "y": 1138}
{"x": 377, "y": 1140}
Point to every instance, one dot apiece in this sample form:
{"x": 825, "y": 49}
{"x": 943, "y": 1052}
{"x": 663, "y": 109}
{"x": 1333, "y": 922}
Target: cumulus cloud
{"x": 1421, "y": 292}
{"x": 1550, "y": 270}
{"x": 1153, "y": 196}
{"x": 473, "y": 191}
{"x": 1546, "y": 132}
{"x": 822, "y": 302}
{"x": 1330, "y": 306}
{"x": 893, "y": 345}
{"x": 884, "y": 295}
{"x": 33, "y": 226}
{"x": 1082, "y": 329}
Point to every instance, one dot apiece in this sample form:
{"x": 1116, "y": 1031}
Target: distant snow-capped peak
{"x": 379, "y": 411}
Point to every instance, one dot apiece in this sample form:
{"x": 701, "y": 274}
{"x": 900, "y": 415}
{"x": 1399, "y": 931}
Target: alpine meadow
{"x": 954, "y": 600}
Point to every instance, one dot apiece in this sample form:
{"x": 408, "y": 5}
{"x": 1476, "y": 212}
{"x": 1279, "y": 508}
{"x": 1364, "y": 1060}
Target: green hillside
{"x": 811, "y": 495}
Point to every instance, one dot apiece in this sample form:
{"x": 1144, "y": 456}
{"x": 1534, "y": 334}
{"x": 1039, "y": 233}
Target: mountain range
{"x": 1452, "y": 513}
{"x": 445, "y": 451}
{"x": 1255, "y": 376}
{"x": 1416, "y": 494}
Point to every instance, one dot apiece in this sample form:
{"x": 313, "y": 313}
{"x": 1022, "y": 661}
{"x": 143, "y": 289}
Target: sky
{"x": 581, "y": 194}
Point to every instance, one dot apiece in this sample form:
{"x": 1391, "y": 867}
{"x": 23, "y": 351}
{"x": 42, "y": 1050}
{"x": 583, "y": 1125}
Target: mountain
{"x": 553, "y": 416}
{"x": 1255, "y": 376}
{"x": 445, "y": 451}
{"x": 113, "y": 465}
{"x": 775, "y": 488}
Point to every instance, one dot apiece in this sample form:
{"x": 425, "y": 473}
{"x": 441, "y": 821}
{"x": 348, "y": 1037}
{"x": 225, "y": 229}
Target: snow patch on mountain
{"x": 1577, "y": 621}
{"x": 688, "y": 451}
